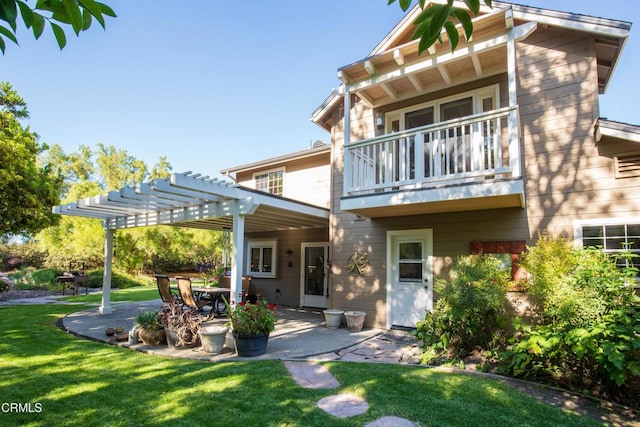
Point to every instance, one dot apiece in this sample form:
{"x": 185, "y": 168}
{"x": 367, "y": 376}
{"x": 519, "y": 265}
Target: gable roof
{"x": 610, "y": 37}
{"x": 319, "y": 148}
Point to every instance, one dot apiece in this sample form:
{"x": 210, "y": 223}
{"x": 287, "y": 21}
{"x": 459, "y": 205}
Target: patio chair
{"x": 247, "y": 296}
{"x": 188, "y": 298}
{"x": 164, "y": 288}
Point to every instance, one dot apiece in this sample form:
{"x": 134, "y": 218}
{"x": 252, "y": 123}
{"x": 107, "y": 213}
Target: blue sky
{"x": 215, "y": 84}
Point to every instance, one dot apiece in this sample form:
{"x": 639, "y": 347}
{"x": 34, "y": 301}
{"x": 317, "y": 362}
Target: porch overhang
{"x": 453, "y": 198}
{"x": 394, "y": 71}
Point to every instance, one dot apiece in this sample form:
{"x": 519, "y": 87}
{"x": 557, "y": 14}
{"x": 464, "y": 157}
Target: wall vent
{"x": 627, "y": 166}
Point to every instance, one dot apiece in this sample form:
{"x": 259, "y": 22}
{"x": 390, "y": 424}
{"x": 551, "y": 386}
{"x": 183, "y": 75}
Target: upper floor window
{"x": 270, "y": 182}
{"x": 453, "y": 107}
{"x": 612, "y": 236}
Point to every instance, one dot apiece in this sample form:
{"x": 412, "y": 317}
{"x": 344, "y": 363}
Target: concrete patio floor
{"x": 300, "y": 334}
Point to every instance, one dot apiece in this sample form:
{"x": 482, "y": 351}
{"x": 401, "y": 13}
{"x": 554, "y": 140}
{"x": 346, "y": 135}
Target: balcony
{"x": 463, "y": 164}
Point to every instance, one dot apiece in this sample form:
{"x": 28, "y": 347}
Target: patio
{"x": 299, "y": 334}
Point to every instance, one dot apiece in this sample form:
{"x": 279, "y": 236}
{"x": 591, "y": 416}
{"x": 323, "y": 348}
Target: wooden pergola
{"x": 193, "y": 201}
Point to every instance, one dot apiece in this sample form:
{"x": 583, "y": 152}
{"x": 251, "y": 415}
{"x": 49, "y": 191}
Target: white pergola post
{"x": 105, "y": 308}
{"x": 237, "y": 257}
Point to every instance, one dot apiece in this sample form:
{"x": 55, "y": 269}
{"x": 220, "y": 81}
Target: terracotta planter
{"x": 152, "y": 336}
{"x": 355, "y": 320}
{"x": 251, "y": 345}
{"x": 213, "y": 338}
{"x": 333, "y": 318}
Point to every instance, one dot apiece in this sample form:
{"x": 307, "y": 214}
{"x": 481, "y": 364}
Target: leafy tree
{"x": 77, "y": 14}
{"x": 162, "y": 169}
{"x": 118, "y": 169}
{"x": 90, "y": 172}
{"x": 436, "y": 17}
{"x": 28, "y": 189}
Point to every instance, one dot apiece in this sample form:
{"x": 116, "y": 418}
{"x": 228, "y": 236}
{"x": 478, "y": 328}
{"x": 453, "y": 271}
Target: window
{"x": 465, "y": 104}
{"x": 261, "y": 261}
{"x": 410, "y": 261}
{"x": 270, "y": 182}
{"x": 612, "y": 236}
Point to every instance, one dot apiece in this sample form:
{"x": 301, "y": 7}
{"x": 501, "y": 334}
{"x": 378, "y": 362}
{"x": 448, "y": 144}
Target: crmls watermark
{"x": 8, "y": 407}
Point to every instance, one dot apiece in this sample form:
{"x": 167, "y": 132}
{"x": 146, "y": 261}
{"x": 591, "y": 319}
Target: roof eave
{"x": 279, "y": 159}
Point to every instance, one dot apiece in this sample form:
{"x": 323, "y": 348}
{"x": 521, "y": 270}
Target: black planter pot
{"x": 251, "y": 345}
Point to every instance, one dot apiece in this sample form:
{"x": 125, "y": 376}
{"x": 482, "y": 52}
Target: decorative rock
{"x": 310, "y": 375}
{"x": 343, "y": 405}
{"x": 391, "y": 422}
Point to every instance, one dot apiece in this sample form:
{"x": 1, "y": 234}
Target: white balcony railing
{"x": 469, "y": 149}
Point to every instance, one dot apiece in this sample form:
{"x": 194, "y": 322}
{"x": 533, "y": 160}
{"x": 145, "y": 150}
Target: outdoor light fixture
{"x": 379, "y": 120}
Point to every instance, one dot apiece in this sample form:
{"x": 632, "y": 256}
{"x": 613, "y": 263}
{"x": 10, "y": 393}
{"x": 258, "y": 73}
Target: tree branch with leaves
{"x": 436, "y": 17}
{"x": 77, "y": 14}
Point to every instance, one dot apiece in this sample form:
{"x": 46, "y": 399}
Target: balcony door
{"x": 447, "y": 152}
{"x": 313, "y": 275}
{"x": 409, "y": 276}
{"x": 467, "y": 104}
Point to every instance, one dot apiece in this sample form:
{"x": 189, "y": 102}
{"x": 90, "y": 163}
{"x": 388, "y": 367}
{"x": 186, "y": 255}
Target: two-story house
{"x": 476, "y": 150}
{"x": 432, "y": 156}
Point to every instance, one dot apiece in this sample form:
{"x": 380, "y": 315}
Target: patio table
{"x": 216, "y": 294}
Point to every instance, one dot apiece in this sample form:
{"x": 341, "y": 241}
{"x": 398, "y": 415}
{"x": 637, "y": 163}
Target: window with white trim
{"x": 271, "y": 182}
{"x": 261, "y": 259}
{"x": 612, "y": 236}
{"x": 465, "y": 104}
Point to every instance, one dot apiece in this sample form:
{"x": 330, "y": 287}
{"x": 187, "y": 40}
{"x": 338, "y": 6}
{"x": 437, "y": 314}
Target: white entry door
{"x": 409, "y": 276}
{"x": 313, "y": 275}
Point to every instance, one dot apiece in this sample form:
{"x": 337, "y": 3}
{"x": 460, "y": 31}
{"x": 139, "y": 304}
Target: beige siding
{"x": 288, "y": 277}
{"x": 309, "y": 185}
{"x": 568, "y": 176}
{"x": 306, "y": 180}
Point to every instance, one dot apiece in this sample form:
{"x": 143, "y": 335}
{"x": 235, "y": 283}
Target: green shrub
{"x": 14, "y": 256}
{"x": 471, "y": 309}
{"x": 549, "y": 263}
{"x": 30, "y": 278}
{"x": 589, "y": 332}
{"x": 5, "y": 283}
{"x": 118, "y": 280}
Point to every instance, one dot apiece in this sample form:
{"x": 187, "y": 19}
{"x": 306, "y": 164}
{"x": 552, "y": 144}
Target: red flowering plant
{"x": 251, "y": 319}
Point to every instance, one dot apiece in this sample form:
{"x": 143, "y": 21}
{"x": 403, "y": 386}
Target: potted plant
{"x": 181, "y": 325}
{"x": 213, "y": 338}
{"x": 150, "y": 327}
{"x": 250, "y": 325}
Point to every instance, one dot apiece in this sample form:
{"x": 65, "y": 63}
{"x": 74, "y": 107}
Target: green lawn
{"x": 139, "y": 293}
{"x": 80, "y": 382}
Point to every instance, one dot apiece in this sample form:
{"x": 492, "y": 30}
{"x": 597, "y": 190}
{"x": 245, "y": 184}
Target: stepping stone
{"x": 391, "y": 422}
{"x": 343, "y": 405}
{"x": 310, "y": 375}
